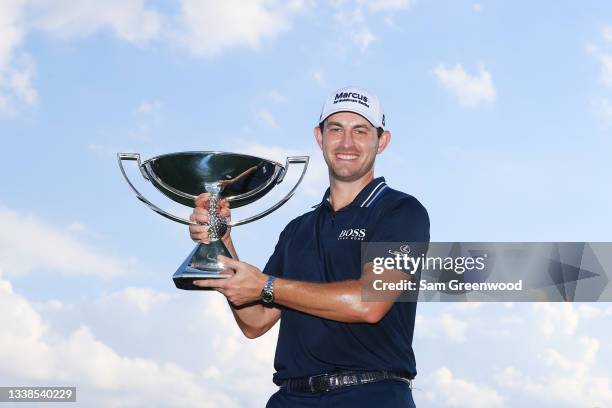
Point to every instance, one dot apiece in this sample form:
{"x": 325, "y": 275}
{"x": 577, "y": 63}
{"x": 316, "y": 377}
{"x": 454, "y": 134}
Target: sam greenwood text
{"x": 451, "y": 285}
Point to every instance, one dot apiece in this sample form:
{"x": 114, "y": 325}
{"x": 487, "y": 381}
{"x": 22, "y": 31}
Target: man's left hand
{"x": 243, "y": 287}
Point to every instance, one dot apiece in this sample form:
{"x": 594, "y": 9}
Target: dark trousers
{"x": 387, "y": 393}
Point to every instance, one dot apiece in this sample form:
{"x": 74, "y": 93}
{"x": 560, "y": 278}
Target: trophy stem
{"x": 213, "y": 231}
{"x": 217, "y": 225}
{"x": 201, "y": 264}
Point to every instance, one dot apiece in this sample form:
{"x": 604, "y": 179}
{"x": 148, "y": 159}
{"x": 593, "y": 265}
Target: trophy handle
{"x": 293, "y": 159}
{"x": 136, "y": 157}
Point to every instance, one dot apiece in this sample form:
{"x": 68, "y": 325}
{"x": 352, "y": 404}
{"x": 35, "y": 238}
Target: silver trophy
{"x": 239, "y": 178}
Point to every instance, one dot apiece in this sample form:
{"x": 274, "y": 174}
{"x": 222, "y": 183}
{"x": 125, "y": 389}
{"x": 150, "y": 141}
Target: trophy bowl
{"x": 239, "y": 178}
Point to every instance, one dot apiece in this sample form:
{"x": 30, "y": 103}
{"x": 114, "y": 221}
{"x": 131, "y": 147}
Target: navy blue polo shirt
{"x": 324, "y": 245}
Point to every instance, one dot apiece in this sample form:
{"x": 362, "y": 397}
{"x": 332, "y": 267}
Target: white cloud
{"x": 445, "y": 326}
{"x": 318, "y": 77}
{"x": 605, "y": 58}
{"x": 477, "y": 7}
{"x": 456, "y": 392}
{"x": 18, "y": 80}
{"x": 32, "y": 353}
{"x": 567, "y": 382}
{"x": 207, "y": 27}
{"x": 470, "y": 90}
{"x": 467, "y": 306}
{"x": 353, "y": 20}
{"x": 266, "y": 118}
{"x": 277, "y": 97}
{"x": 129, "y": 20}
{"x": 363, "y": 38}
{"x": 82, "y": 231}
{"x": 76, "y": 226}
{"x": 27, "y": 244}
{"x": 602, "y": 107}
{"x": 550, "y": 359}
{"x": 553, "y": 319}
{"x": 605, "y": 69}
{"x": 588, "y": 347}
{"x": 130, "y": 347}
{"x": 54, "y": 304}
{"x": 389, "y": 21}
{"x": 147, "y": 107}
{"x": 354, "y": 17}
{"x": 142, "y": 299}
{"x": 204, "y": 27}
{"x": 16, "y": 68}
{"x": 588, "y": 311}
{"x": 607, "y": 33}
{"x": 388, "y": 5}
{"x": 11, "y": 14}
{"x": 276, "y": 153}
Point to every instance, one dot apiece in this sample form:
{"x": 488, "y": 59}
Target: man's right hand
{"x": 199, "y": 233}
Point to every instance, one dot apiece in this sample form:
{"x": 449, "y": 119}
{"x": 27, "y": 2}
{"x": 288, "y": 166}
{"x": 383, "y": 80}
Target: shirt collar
{"x": 365, "y": 197}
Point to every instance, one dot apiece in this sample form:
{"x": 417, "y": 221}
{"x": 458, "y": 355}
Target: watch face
{"x": 267, "y": 296}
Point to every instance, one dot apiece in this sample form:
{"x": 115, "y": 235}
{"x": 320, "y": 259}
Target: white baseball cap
{"x": 356, "y": 100}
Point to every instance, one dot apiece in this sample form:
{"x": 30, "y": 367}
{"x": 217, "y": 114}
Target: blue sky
{"x": 501, "y": 118}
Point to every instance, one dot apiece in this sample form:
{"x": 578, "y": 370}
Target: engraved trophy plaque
{"x": 239, "y": 178}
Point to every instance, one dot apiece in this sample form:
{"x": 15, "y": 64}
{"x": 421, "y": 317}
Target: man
{"x": 334, "y": 349}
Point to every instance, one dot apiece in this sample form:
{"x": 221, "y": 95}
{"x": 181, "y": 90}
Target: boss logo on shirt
{"x": 355, "y": 234}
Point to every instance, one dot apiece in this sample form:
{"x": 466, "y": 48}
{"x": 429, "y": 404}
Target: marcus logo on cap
{"x": 356, "y": 100}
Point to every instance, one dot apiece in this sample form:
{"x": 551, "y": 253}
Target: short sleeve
{"x": 404, "y": 222}
{"x": 274, "y": 266}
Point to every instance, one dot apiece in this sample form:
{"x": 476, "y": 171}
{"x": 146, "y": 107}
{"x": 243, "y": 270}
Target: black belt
{"x": 332, "y": 381}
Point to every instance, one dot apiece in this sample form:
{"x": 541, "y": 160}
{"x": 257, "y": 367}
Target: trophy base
{"x": 185, "y": 280}
{"x": 201, "y": 264}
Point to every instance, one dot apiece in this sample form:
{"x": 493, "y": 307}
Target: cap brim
{"x": 352, "y": 111}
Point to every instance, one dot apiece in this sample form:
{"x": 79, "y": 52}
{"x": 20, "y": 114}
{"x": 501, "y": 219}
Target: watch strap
{"x": 268, "y": 290}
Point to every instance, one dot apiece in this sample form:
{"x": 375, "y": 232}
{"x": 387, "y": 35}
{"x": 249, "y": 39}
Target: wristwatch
{"x": 267, "y": 293}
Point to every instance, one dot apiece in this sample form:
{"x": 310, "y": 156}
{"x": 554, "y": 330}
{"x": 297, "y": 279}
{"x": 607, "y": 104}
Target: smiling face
{"x": 350, "y": 144}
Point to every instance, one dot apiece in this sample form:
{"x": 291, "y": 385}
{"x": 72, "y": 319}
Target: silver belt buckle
{"x": 311, "y": 382}
{"x": 310, "y": 385}
{"x": 325, "y": 382}
{"x": 406, "y": 380}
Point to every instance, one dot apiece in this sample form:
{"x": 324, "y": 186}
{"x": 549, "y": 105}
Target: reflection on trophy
{"x": 239, "y": 178}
